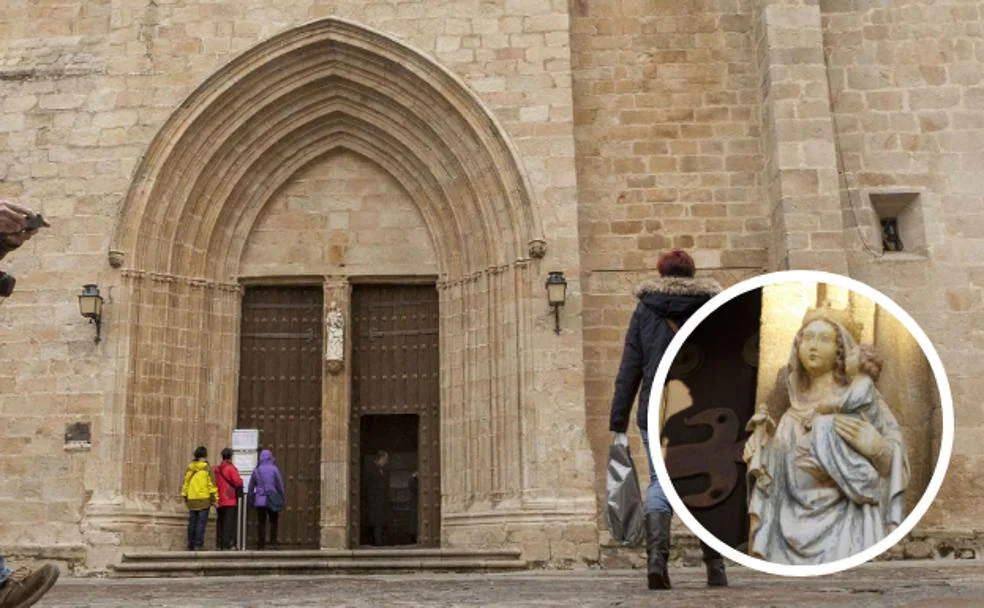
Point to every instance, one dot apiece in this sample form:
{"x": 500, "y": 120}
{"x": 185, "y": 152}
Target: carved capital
{"x": 336, "y": 283}
{"x": 538, "y": 249}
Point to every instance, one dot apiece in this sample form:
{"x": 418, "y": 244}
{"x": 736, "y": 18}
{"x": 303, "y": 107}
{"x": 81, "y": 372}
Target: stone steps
{"x": 252, "y": 563}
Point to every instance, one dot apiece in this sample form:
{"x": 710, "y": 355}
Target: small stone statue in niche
{"x": 829, "y": 480}
{"x": 335, "y": 350}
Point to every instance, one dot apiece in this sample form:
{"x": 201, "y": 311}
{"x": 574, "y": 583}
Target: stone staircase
{"x": 359, "y": 561}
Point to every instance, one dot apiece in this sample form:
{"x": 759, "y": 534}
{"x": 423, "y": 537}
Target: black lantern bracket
{"x": 90, "y": 306}
{"x": 556, "y": 295}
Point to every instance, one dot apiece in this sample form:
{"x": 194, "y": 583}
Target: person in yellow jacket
{"x": 199, "y": 493}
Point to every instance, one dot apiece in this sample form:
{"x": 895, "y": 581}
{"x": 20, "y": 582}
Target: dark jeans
{"x": 262, "y": 513}
{"x": 196, "y": 529}
{"x": 225, "y": 528}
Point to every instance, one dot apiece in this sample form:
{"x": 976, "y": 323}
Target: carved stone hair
{"x": 870, "y": 361}
{"x": 840, "y": 366}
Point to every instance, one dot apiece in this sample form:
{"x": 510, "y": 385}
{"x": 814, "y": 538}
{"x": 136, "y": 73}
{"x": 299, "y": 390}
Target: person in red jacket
{"x": 230, "y": 486}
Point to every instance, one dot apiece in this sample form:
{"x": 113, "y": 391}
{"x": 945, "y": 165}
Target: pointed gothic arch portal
{"x": 219, "y": 159}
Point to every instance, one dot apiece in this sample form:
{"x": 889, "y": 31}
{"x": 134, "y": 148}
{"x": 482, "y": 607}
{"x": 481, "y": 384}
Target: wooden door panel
{"x": 280, "y": 394}
{"x": 395, "y": 372}
{"x": 718, "y": 367}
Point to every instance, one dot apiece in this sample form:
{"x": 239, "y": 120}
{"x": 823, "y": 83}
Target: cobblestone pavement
{"x": 895, "y": 584}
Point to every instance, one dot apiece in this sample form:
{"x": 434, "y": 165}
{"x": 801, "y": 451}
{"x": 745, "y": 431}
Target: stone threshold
{"x": 287, "y": 554}
{"x": 273, "y": 562}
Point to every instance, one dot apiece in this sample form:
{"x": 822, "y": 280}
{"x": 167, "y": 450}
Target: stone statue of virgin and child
{"x": 829, "y": 480}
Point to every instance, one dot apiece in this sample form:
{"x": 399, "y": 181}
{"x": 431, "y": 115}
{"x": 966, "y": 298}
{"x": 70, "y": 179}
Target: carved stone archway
{"x": 207, "y": 176}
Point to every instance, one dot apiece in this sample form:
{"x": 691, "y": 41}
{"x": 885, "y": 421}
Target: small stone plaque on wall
{"x": 78, "y": 436}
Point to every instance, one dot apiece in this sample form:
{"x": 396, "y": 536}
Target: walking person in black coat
{"x": 664, "y": 305}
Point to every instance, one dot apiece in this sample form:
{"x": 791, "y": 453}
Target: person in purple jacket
{"x": 266, "y": 494}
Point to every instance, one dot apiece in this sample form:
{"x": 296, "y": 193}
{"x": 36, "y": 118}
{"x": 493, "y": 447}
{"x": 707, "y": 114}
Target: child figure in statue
{"x": 822, "y": 451}
{"x": 863, "y": 366}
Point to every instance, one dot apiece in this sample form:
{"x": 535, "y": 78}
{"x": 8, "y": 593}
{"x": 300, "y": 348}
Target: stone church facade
{"x": 186, "y": 152}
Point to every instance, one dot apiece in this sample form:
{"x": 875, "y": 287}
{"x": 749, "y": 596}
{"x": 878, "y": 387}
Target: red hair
{"x": 676, "y": 263}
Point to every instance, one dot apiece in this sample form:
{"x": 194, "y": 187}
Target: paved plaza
{"x": 909, "y": 584}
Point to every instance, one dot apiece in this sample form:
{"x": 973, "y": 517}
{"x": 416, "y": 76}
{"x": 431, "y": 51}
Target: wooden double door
{"x": 395, "y": 405}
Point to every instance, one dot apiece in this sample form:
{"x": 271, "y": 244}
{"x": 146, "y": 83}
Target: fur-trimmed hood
{"x": 676, "y": 297}
{"x": 661, "y": 301}
{"x": 679, "y": 286}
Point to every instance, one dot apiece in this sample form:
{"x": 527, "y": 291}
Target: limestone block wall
{"x": 800, "y": 172}
{"x": 669, "y": 154}
{"x": 850, "y": 98}
{"x": 86, "y": 88}
{"x": 340, "y": 215}
{"x": 907, "y": 91}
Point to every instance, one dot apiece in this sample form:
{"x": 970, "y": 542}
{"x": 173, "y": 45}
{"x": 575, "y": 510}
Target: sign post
{"x": 245, "y": 445}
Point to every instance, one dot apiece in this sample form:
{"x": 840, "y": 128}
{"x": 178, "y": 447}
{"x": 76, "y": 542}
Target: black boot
{"x": 716, "y": 576}
{"x": 658, "y": 549}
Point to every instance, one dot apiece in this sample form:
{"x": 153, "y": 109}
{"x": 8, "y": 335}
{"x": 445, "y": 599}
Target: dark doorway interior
{"x": 398, "y": 436}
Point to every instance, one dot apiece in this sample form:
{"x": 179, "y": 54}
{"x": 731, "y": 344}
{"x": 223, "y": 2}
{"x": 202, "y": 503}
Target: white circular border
{"x": 946, "y": 403}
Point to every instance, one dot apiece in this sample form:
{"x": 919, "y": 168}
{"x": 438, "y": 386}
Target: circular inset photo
{"x": 805, "y": 420}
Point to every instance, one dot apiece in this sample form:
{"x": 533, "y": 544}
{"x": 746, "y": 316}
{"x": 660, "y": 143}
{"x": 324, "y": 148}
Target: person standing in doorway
{"x": 664, "y": 304}
{"x": 414, "y": 486}
{"x": 199, "y": 493}
{"x": 230, "y": 486}
{"x": 267, "y": 495}
{"x": 377, "y": 496}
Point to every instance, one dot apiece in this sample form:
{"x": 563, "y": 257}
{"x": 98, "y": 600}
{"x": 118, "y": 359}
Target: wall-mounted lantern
{"x": 556, "y": 295}
{"x": 90, "y": 305}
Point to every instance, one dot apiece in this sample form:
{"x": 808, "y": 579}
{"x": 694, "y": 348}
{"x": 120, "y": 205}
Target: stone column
{"x": 335, "y": 424}
{"x": 801, "y": 178}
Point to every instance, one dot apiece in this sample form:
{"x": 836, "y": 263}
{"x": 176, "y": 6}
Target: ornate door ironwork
{"x": 718, "y": 366}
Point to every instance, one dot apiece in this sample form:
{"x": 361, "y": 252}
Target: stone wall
{"x": 907, "y": 91}
{"x": 902, "y": 108}
{"x": 669, "y": 154}
{"x": 343, "y": 215}
{"x": 86, "y": 89}
{"x": 800, "y": 174}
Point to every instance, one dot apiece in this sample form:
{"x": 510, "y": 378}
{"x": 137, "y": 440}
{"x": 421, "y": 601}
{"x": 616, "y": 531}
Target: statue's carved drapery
{"x": 828, "y": 480}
